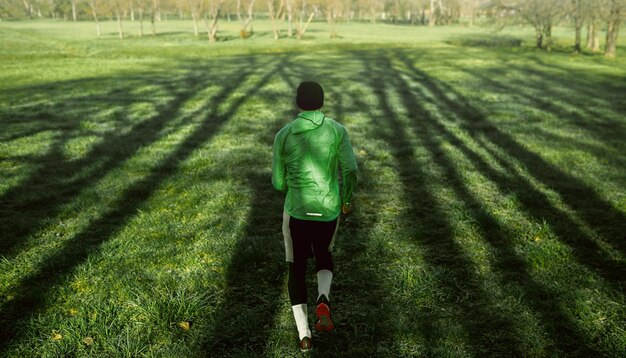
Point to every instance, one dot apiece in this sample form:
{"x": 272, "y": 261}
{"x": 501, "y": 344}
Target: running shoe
{"x": 324, "y": 323}
{"x": 305, "y": 344}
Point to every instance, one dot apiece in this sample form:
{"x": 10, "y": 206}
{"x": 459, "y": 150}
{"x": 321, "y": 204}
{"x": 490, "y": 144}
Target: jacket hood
{"x": 306, "y": 121}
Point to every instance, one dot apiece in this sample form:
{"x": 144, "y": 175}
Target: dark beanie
{"x": 310, "y": 96}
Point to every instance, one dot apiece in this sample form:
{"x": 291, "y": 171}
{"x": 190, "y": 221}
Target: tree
{"x": 615, "y": 18}
{"x": 212, "y": 30}
{"x": 94, "y": 11}
{"x": 541, "y": 14}
{"x": 593, "y": 40}
{"x": 195, "y": 7}
{"x": 245, "y": 23}
{"x": 141, "y": 4}
{"x": 117, "y": 8}
{"x": 273, "y": 15}
{"x": 302, "y": 25}
{"x": 579, "y": 14}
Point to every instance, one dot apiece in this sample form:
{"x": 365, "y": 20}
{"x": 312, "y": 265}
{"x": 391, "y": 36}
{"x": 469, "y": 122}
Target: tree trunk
{"x": 120, "y": 29}
{"x": 612, "y": 32}
{"x": 153, "y": 17}
{"x": 289, "y": 19}
{"x": 539, "y": 38}
{"x": 578, "y": 36}
{"x": 589, "y": 34}
{"x": 593, "y": 39}
{"x": 92, "y": 4}
{"x": 431, "y": 17}
{"x": 270, "y": 5}
{"x": 330, "y": 19}
{"x": 548, "y": 37}
{"x": 213, "y": 31}
{"x": 141, "y": 21}
{"x": 302, "y": 30}
{"x": 132, "y": 11}
{"x": 243, "y": 32}
{"x": 74, "y": 10}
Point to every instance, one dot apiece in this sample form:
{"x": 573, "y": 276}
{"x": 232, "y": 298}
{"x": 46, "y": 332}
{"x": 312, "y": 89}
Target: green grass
{"x": 135, "y": 192}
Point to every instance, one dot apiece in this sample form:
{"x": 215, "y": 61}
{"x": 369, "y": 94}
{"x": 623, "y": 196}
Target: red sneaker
{"x": 324, "y": 323}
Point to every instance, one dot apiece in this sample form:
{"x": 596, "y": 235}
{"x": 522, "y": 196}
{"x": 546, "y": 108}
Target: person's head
{"x": 310, "y": 96}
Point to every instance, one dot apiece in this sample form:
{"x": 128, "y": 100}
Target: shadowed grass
{"x": 137, "y": 209}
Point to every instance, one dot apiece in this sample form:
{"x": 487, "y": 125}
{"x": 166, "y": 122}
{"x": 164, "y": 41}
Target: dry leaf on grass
{"x": 184, "y": 325}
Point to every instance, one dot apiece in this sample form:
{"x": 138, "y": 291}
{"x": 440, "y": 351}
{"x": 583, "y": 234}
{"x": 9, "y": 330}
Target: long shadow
{"x": 33, "y": 289}
{"x": 434, "y": 234}
{"x": 361, "y": 306}
{"x": 255, "y": 274}
{"x": 507, "y": 262}
{"x": 601, "y": 216}
{"x": 559, "y": 103}
{"x": 25, "y": 208}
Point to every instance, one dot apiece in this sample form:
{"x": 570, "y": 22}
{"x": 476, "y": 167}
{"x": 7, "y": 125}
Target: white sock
{"x": 302, "y": 322}
{"x": 324, "y": 279}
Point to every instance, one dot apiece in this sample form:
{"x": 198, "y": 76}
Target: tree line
{"x": 593, "y": 15}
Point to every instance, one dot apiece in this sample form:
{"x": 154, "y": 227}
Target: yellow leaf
{"x": 56, "y": 336}
{"x": 184, "y": 325}
{"x": 73, "y": 311}
{"x": 88, "y": 341}
{"x": 537, "y": 238}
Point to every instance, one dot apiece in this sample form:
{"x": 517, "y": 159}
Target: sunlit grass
{"x": 138, "y": 217}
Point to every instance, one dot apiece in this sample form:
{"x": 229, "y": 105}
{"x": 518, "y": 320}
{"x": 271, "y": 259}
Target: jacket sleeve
{"x": 348, "y": 167}
{"x": 278, "y": 164}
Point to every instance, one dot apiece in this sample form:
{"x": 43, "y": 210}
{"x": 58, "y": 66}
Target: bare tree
{"x": 289, "y": 6}
{"x": 195, "y": 7}
{"x": 94, "y": 11}
{"x": 270, "y": 5}
{"x": 330, "y": 17}
{"x": 117, "y": 8}
{"x": 215, "y": 14}
{"x": 579, "y": 14}
{"x": 154, "y": 15}
{"x": 141, "y": 4}
{"x": 302, "y": 24}
{"x": 615, "y": 18}
{"x": 593, "y": 39}
{"x": 541, "y": 14}
{"x": 73, "y": 2}
{"x": 247, "y": 22}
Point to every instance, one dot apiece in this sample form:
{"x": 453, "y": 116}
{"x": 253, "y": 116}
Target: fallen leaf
{"x": 73, "y": 311}
{"x": 184, "y": 325}
{"x": 88, "y": 341}
{"x": 56, "y": 336}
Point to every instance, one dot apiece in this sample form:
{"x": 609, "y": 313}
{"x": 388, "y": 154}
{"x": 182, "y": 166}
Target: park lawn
{"x": 138, "y": 218}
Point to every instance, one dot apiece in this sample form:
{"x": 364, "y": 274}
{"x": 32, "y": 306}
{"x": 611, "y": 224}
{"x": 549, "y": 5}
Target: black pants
{"x": 306, "y": 234}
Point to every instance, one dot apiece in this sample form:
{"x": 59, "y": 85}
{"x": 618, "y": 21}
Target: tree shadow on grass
{"x": 606, "y": 221}
{"x": 513, "y": 268}
{"x": 255, "y": 276}
{"x": 26, "y": 207}
{"x": 362, "y": 311}
{"x": 481, "y": 320}
{"x": 33, "y": 289}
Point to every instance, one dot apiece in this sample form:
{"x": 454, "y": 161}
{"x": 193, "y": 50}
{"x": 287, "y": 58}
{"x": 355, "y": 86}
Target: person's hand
{"x": 345, "y": 209}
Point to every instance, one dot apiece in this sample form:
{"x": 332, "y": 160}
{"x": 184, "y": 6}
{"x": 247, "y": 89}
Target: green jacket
{"x": 307, "y": 155}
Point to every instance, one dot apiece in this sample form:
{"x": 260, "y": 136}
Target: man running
{"x": 307, "y": 155}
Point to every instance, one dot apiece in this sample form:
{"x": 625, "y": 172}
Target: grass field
{"x": 137, "y": 216}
